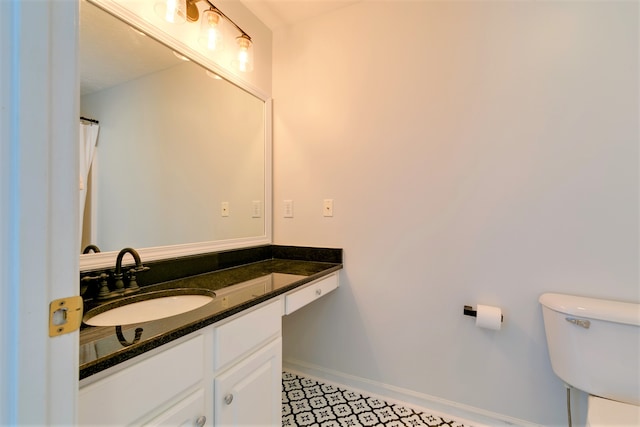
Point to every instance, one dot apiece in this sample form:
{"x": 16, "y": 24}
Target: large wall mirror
{"x": 182, "y": 155}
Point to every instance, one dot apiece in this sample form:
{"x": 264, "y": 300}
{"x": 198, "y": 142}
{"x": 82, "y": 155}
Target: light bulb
{"x": 173, "y": 11}
{"x": 211, "y": 30}
{"x": 244, "y": 58}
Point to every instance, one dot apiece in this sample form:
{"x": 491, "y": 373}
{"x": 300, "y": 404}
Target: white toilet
{"x": 594, "y": 346}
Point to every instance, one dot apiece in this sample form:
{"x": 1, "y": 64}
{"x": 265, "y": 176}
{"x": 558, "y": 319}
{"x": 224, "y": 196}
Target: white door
{"x": 38, "y": 215}
{"x": 250, "y": 392}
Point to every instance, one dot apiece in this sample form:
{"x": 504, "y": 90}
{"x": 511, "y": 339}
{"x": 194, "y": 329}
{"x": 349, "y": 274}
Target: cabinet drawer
{"x": 137, "y": 390}
{"x": 239, "y": 336}
{"x": 304, "y": 296}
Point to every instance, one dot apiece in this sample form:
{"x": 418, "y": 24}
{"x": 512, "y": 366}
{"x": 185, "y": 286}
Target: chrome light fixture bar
{"x": 211, "y": 28}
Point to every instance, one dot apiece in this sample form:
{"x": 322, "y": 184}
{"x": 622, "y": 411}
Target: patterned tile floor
{"x": 307, "y": 402}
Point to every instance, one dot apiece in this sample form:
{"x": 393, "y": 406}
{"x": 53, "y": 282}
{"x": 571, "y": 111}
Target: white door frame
{"x": 38, "y": 208}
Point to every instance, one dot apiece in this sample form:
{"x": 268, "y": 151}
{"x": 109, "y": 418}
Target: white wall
{"x": 477, "y": 152}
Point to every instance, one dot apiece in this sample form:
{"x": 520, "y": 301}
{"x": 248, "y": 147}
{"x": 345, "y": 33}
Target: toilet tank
{"x": 594, "y": 344}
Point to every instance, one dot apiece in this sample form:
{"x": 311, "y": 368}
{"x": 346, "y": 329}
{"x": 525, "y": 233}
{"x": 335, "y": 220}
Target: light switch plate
{"x": 256, "y": 209}
{"x": 288, "y": 208}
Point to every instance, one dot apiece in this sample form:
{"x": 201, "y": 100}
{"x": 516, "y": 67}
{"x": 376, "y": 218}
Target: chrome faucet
{"x": 118, "y": 276}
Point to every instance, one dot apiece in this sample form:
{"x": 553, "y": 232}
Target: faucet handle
{"x": 133, "y": 284}
{"x": 103, "y": 278}
{"x": 104, "y": 286}
{"x": 119, "y": 283}
{"x": 90, "y": 278}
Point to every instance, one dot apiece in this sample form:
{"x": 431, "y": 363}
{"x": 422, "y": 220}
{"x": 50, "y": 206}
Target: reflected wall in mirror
{"x": 175, "y": 144}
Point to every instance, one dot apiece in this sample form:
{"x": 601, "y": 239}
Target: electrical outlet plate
{"x": 224, "y": 209}
{"x": 327, "y": 207}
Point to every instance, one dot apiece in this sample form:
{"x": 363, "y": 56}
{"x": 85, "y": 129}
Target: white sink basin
{"x": 147, "y": 307}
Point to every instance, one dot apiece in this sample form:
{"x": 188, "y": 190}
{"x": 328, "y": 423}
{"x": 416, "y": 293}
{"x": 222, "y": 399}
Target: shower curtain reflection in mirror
{"x": 88, "y": 143}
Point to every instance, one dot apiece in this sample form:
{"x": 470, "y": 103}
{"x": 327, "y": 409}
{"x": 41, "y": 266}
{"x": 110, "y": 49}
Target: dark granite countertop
{"x": 237, "y": 288}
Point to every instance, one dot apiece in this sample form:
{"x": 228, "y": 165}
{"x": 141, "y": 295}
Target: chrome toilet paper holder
{"x": 469, "y": 311}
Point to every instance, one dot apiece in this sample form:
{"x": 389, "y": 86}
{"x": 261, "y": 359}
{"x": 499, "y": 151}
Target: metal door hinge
{"x": 65, "y": 315}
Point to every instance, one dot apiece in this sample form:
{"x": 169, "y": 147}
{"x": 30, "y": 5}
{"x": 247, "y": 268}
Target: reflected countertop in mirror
{"x": 181, "y": 154}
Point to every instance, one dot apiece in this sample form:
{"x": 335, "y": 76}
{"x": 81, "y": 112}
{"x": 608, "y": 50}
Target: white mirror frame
{"x": 134, "y": 13}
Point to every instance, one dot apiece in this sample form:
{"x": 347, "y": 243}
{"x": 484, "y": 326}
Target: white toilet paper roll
{"x": 488, "y": 317}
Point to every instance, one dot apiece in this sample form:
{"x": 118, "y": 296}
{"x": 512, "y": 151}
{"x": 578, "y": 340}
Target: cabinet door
{"x": 250, "y": 392}
{"x": 188, "y": 412}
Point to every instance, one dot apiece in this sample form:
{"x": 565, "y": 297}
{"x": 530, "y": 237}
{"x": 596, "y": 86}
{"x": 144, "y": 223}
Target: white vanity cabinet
{"x": 226, "y": 374}
{"x": 174, "y": 384}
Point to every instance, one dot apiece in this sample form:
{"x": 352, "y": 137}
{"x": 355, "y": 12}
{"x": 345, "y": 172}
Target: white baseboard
{"x": 465, "y": 414}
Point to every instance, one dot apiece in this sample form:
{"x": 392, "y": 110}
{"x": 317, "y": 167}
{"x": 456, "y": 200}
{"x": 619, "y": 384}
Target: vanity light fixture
{"x": 244, "y": 58}
{"x": 173, "y": 11}
{"x": 211, "y": 28}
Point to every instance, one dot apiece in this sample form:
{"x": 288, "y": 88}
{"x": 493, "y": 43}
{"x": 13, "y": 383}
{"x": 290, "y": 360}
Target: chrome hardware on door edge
{"x": 580, "y": 322}
{"x": 105, "y": 291}
{"x": 228, "y": 399}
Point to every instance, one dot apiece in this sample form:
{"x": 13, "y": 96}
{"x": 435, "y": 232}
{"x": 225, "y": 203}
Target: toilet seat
{"x": 605, "y": 412}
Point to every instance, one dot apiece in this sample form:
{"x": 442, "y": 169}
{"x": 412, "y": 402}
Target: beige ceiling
{"x": 281, "y": 13}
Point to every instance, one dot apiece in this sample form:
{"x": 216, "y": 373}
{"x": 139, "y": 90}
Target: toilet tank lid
{"x": 593, "y": 308}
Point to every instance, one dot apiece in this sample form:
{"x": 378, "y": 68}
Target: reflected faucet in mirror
{"x": 119, "y": 287}
{"x": 91, "y": 248}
